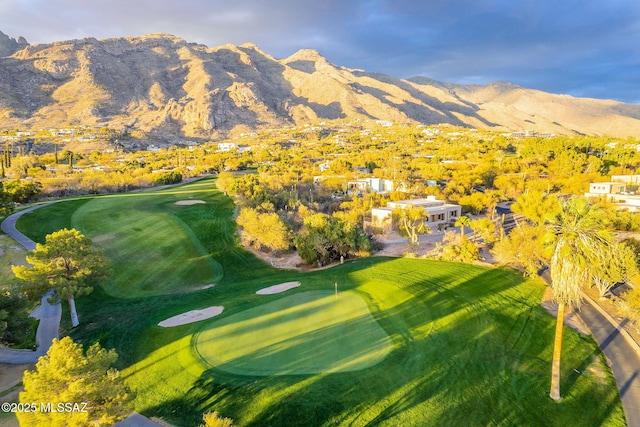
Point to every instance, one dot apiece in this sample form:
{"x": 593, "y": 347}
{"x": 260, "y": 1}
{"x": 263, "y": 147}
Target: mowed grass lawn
{"x": 408, "y": 342}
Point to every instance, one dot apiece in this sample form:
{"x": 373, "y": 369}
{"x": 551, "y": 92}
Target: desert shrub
{"x": 166, "y": 178}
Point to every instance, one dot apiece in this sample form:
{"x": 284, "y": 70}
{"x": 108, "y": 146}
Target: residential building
{"x": 607, "y": 188}
{"x": 436, "y": 212}
{"x": 628, "y": 179}
{"x": 375, "y": 185}
{"x": 616, "y": 192}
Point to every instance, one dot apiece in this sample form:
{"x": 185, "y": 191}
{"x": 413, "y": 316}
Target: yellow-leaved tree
{"x": 74, "y": 388}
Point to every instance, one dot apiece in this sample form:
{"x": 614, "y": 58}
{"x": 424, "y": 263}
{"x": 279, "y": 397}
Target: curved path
{"x": 49, "y": 314}
{"x": 623, "y": 356}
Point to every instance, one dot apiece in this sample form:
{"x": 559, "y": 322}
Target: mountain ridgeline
{"x": 170, "y": 88}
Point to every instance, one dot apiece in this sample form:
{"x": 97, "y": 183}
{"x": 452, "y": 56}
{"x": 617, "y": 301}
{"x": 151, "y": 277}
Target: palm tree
{"x": 577, "y": 240}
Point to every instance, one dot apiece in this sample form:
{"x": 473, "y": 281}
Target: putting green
{"x": 307, "y": 333}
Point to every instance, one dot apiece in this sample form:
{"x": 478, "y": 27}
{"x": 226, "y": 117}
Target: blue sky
{"x": 588, "y": 48}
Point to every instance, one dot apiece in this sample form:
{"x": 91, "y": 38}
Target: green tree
{"x": 536, "y": 206}
{"x": 6, "y": 202}
{"x": 577, "y": 241}
{"x": 462, "y": 222}
{"x": 324, "y": 238}
{"x": 167, "y": 178}
{"x": 522, "y": 248}
{"x": 17, "y": 328}
{"x": 411, "y": 222}
{"x": 617, "y": 264}
{"x": 485, "y": 229}
{"x": 66, "y": 374}
{"x": 23, "y": 191}
{"x": 67, "y": 264}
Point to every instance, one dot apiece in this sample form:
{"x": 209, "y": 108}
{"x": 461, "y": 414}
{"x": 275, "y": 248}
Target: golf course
{"x": 374, "y": 341}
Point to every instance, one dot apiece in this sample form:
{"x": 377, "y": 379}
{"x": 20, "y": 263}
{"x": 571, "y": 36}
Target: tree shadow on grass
{"x": 467, "y": 349}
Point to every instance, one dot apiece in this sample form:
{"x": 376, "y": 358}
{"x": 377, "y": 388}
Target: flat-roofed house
{"x": 436, "y": 212}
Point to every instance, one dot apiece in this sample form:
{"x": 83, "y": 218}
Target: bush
{"x": 632, "y": 299}
{"x": 17, "y": 329}
{"x": 212, "y": 419}
{"x": 166, "y": 178}
{"x": 464, "y": 251}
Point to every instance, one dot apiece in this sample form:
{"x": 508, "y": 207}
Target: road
{"x": 623, "y": 358}
{"x": 49, "y": 314}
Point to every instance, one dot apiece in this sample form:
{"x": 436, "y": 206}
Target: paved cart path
{"x": 623, "y": 356}
{"x": 49, "y": 314}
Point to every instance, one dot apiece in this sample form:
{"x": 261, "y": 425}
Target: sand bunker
{"x": 190, "y": 202}
{"x": 276, "y": 289}
{"x": 192, "y": 316}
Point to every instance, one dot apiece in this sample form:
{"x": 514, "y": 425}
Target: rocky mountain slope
{"x": 170, "y": 88}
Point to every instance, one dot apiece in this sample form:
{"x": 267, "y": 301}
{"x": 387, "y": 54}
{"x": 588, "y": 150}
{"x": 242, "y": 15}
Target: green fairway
{"x": 408, "y": 342}
{"x": 150, "y": 249}
{"x": 306, "y": 333}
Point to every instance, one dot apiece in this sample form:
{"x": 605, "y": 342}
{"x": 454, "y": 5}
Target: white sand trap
{"x": 276, "y": 289}
{"x": 192, "y": 316}
{"x": 190, "y": 202}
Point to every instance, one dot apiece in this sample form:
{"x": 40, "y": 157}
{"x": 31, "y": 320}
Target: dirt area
{"x": 192, "y": 316}
{"x": 190, "y": 202}
{"x": 288, "y": 261}
{"x": 10, "y": 377}
{"x": 276, "y": 289}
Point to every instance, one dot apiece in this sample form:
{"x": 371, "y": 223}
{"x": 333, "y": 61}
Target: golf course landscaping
{"x": 374, "y": 341}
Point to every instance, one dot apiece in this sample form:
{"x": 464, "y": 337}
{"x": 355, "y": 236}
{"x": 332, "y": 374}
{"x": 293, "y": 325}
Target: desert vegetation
{"x": 410, "y": 336}
{"x": 182, "y": 248}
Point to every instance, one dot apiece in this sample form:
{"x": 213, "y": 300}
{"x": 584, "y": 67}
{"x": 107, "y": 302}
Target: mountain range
{"x": 170, "y": 88}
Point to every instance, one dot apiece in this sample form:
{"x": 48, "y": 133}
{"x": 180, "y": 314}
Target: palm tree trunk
{"x": 557, "y": 351}
{"x": 74, "y": 313}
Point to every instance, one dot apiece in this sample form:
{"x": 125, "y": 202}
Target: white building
{"x": 616, "y": 192}
{"x": 230, "y": 146}
{"x": 436, "y": 212}
{"x": 375, "y": 185}
{"x": 600, "y": 188}
{"x": 227, "y": 146}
